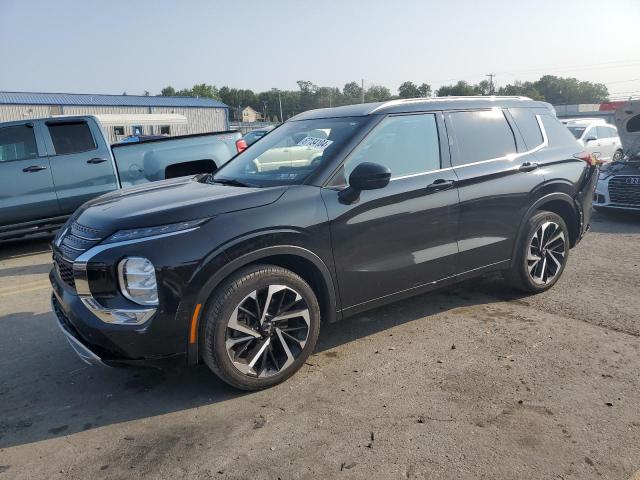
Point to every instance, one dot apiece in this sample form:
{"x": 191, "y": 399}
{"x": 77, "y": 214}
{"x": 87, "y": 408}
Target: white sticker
{"x": 313, "y": 142}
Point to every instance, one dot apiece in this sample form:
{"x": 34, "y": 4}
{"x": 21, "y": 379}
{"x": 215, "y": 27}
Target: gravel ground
{"x": 469, "y": 382}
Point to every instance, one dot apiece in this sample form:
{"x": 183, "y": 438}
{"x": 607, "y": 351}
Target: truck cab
{"x": 48, "y": 167}
{"x": 51, "y": 166}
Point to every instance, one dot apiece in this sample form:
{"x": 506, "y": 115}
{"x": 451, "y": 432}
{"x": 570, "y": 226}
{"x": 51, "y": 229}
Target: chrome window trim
{"x": 422, "y": 173}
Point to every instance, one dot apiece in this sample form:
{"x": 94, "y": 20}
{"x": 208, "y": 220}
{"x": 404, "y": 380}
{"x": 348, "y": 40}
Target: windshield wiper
{"x": 231, "y": 181}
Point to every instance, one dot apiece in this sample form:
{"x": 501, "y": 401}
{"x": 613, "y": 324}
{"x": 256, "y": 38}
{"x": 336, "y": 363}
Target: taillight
{"x": 241, "y": 145}
{"x": 587, "y": 157}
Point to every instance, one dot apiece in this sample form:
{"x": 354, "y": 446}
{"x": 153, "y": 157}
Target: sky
{"x": 115, "y": 46}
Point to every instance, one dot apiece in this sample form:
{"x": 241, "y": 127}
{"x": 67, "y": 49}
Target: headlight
{"x": 135, "y": 233}
{"x": 137, "y": 277}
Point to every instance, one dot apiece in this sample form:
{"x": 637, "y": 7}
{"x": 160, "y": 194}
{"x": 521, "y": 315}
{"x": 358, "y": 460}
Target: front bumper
{"x": 602, "y": 198}
{"x": 99, "y": 343}
{"x": 85, "y": 354}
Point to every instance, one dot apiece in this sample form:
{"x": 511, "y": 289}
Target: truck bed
{"x": 170, "y": 157}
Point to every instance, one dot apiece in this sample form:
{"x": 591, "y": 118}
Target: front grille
{"x": 76, "y": 240}
{"x": 625, "y": 190}
{"x": 64, "y": 269}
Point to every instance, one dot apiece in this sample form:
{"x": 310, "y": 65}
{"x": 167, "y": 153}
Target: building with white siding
{"x": 158, "y": 115}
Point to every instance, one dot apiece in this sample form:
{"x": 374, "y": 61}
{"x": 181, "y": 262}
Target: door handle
{"x": 33, "y": 168}
{"x": 528, "y": 166}
{"x": 440, "y": 185}
{"x": 96, "y": 160}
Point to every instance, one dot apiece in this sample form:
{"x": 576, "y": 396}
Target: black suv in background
{"x": 336, "y": 211}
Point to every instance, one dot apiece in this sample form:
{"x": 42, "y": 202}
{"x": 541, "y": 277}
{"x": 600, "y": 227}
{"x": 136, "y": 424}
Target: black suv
{"x": 336, "y": 211}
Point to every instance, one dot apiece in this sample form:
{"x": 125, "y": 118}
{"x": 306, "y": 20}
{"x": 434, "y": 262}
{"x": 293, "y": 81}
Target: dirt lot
{"x": 469, "y": 382}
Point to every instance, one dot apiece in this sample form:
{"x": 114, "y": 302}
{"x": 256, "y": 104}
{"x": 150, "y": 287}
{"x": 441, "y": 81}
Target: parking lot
{"x": 473, "y": 381}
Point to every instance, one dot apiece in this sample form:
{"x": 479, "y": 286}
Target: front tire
{"x": 260, "y": 326}
{"x": 541, "y": 254}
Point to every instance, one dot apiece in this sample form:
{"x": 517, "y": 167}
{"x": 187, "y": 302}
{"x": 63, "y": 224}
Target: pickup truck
{"x": 51, "y": 166}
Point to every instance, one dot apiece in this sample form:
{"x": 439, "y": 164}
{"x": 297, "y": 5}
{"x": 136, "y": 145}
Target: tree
{"x": 377, "y": 93}
{"x": 168, "y": 91}
{"x": 352, "y": 91}
{"x": 482, "y": 88}
{"x": 559, "y": 90}
{"x": 408, "y": 90}
{"x": 205, "y": 91}
{"x": 146, "y": 93}
{"x": 521, "y": 89}
{"x": 461, "y": 88}
{"x": 425, "y": 90}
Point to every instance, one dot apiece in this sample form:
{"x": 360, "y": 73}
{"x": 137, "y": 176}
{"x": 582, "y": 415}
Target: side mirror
{"x": 590, "y": 139}
{"x": 369, "y": 176}
{"x": 366, "y": 176}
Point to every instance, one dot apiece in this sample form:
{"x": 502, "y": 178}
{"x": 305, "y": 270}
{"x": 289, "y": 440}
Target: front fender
{"x": 218, "y": 266}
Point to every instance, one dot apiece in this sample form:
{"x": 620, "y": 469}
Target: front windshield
{"x": 577, "y": 131}
{"x": 290, "y": 153}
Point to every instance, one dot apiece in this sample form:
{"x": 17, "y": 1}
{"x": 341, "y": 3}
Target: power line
{"x": 550, "y": 70}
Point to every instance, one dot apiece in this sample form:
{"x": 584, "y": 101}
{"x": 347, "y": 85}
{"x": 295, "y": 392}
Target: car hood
{"x": 620, "y": 168}
{"x": 170, "y": 201}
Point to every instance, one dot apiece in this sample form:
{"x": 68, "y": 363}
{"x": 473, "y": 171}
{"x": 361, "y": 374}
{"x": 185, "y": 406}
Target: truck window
{"x": 17, "y": 143}
{"x": 71, "y": 137}
{"x": 472, "y": 129}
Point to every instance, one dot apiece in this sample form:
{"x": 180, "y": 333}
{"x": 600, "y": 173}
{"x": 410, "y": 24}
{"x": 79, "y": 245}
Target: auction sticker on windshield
{"x": 313, "y": 142}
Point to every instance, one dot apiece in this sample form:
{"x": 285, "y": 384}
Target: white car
{"x": 597, "y": 136}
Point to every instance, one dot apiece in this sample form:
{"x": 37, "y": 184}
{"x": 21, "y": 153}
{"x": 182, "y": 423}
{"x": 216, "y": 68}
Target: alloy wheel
{"x": 267, "y": 331}
{"x": 617, "y": 156}
{"x": 546, "y": 253}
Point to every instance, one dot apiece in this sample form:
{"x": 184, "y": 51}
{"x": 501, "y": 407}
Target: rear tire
{"x": 541, "y": 253}
{"x": 260, "y": 326}
{"x": 617, "y": 156}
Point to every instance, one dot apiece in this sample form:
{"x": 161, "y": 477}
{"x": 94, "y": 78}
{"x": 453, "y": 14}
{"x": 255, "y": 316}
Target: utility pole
{"x": 279, "y": 103}
{"x": 492, "y": 90}
{"x": 362, "y": 93}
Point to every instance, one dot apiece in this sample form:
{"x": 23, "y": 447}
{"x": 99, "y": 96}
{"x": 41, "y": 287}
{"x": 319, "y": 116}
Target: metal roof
{"x": 421, "y": 104}
{"x": 37, "y": 98}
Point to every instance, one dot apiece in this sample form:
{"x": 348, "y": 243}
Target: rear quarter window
{"x": 528, "y": 125}
{"x": 557, "y": 134}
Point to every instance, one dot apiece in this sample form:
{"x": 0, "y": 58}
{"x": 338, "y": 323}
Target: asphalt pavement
{"x": 474, "y": 381}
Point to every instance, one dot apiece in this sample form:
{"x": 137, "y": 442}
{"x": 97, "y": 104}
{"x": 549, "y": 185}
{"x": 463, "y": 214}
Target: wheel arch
{"x": 299, "y": 260}
{"x": 559, "y": 203}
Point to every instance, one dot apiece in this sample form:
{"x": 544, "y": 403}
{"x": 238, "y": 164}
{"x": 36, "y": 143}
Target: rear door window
{"x": 528, "y": 125}
{"x": 406, "y": 144}
{"x": 17, "y": 142}
{"x": 71, "y": 137}
{"x": 481, "y": 135}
